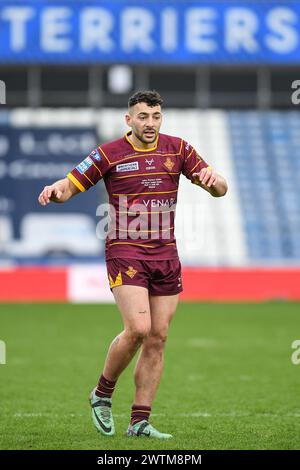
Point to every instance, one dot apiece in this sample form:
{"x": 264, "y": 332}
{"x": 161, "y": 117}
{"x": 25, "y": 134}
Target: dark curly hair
{"x": 150, "y": 97}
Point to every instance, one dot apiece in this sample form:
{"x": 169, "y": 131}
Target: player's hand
{"x": 49, "y": 193}
{"x": 206, "y": 177}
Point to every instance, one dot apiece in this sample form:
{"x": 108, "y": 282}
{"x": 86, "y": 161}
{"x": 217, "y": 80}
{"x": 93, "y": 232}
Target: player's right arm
{"x": 85, "y": 175}
{"x": 60, "y": 191}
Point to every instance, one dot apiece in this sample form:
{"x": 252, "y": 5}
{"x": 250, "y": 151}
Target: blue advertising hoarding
{"x": 32, "y": 157}
{"x": 150, "y": 32}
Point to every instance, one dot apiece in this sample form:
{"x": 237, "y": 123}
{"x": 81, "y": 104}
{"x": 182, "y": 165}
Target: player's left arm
{"x": 211, "y": 181}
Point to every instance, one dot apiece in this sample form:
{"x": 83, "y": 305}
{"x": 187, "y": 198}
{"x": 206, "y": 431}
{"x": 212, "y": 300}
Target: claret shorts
{"x": 160, "y": 277}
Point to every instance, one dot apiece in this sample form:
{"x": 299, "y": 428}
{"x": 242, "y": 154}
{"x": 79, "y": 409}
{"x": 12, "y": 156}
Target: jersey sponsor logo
{"x": 169, "y": 163}
{"x": 150, "y": 164}
{"x": 128, "y": 166}
{"x": 159, "y": 202}
{"x": 96, "y": 155}
{"x": 84, "y": 165}
{"x": 131, "y": 272}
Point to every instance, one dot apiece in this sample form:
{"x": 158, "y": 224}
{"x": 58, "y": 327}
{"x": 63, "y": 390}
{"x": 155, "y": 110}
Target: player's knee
{"x": 157, "y": 340}
{"x": 138, "y": 333}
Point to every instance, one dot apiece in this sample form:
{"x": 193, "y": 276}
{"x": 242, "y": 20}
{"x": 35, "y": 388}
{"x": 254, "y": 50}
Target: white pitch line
{"x": 198, "y": 414}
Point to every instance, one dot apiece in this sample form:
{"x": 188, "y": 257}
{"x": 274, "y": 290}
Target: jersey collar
{"x": 138, "y": 148}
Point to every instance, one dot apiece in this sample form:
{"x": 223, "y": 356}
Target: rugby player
{"x": 141, "y": 173}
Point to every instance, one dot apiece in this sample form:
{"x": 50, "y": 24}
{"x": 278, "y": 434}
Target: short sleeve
{"x": 192, "y": 162}
{"x": 88, "y": 172}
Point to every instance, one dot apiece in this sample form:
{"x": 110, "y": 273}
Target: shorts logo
{"x": 169, "y": 164}
{"x": 84, "y": 165}
{"x": 117, "y": 282}
{"x": 128, "y": 166}
{"x": 131, "y": 272}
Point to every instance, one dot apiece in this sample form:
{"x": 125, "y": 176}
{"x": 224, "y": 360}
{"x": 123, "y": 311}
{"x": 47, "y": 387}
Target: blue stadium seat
{"x": 266, "y": 154}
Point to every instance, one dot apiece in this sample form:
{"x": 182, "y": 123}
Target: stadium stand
{"x": 259, "y": 152}
{"x": 265, "y": 150}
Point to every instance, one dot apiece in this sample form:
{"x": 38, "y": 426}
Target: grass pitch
{"x": 229, "y": 382}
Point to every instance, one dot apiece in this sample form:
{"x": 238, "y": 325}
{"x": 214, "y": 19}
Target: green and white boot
{"x": 102, "y": 415}
{"x": 145, "y": 429}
